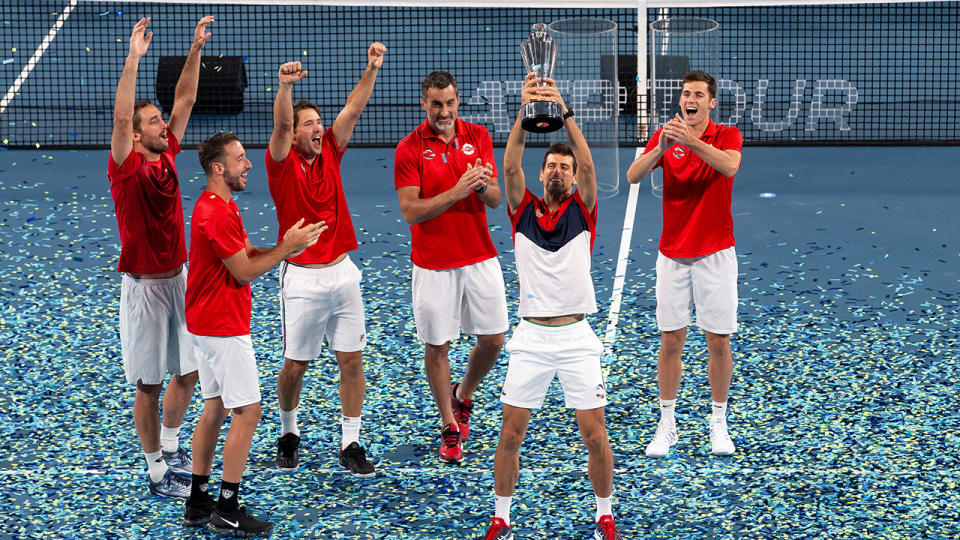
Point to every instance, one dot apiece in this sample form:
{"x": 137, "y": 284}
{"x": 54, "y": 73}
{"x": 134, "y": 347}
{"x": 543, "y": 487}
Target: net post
{"x": 643, "y": 112}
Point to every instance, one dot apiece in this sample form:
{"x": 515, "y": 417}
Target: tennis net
{"x": 863, "y": 73}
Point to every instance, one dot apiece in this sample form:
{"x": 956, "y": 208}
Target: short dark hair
{"x": 438, "y": 80}
{"x": 303, "y": 105}
{"x": 137, "y": 105}
{"x": 563, "y": 149}
{"x": 212, "y": 149}
{"x": 702, "y": 76}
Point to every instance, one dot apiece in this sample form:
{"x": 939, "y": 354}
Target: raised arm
{"x": 121, "y": 140}
{"x": 358, "y": 98}
{"x": 186, "y": 93}
{"x": 290, "y": 74}
{"x": 250, "y": 262}
{"x": 514, "y": 181}
{"x": 586, "y": 171}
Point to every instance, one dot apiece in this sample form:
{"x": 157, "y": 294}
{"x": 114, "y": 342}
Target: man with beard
{"x": 553, "y": 240}
{"x": 222, "y": 265}
{"x": 146, "y": 194}
{"x": 697, "y": 262}
{"x": 444, "y": 174}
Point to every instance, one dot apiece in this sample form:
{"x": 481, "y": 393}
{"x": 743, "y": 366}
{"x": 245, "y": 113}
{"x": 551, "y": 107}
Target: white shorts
{"x": 538, "y": 353}
{"x": 708, "y": 282}
{"x": 321, "y": 302}
{"x": 153, "y": 329}
{"x": 228, "y": 370}
{"x": 470, "y": 297}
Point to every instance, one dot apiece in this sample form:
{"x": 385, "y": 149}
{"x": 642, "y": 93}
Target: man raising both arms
{"x": 697, "y": 263}
{"x": 319, "y": 288}
{"x": 146, "y": 194}
{"x": 445, "y": 176}
{"x": 553, "y": 239}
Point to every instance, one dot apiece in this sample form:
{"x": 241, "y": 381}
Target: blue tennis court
{"x": 843, "y": 404}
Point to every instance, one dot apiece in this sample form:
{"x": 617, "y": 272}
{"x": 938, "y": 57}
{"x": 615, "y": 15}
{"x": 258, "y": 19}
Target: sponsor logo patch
{"x": 468, "y": 149}
{"x": 429, "y": 154}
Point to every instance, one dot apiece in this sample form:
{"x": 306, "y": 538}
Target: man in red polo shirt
{"x": 697, "y": 263}
{"x": 445, "y": 178}
{"x": 222, "y": 265}
{"x": 146, "y": 194}
{"x": 319, "y": 288}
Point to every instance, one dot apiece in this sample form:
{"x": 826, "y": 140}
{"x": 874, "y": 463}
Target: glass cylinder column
{"x": 678, "y": 45}
{"x": 586, "y": 75}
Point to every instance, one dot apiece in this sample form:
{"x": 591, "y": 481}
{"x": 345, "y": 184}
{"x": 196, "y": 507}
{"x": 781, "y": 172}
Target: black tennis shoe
{"x": 238, "y": 523}
{"x": 288, "y": 452}
{"x": 354, "y": 459}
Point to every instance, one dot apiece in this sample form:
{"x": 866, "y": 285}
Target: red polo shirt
{"x": 146, "y": 198}
{"x": 459, "y": 236}
{"x": 696, "y": 197}
{"x": 216, "y": 304}
{"x": 313, "y": 191}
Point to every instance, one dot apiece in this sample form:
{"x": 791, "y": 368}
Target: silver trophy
{"x": 539, "y": 54}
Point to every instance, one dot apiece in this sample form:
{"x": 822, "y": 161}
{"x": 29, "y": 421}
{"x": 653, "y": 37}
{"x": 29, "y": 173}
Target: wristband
{"x": 568, "y": 114}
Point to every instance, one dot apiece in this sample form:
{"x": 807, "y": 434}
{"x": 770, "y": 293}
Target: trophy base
{"x": 541, "y": 116}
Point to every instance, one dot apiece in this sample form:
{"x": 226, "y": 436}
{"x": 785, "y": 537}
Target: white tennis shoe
{"x": 720, "y": 438}
{"x": 663, "y": 439}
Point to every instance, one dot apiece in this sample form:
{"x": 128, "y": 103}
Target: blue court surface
{"x": 843, "y": 404}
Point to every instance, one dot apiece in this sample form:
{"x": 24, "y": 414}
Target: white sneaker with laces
{"x": 720, "y": 438}
{"x": 663, "y": 439}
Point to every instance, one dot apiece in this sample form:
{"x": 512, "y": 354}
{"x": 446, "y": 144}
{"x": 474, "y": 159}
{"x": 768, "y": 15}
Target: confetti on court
{"x": 843, "y": 404}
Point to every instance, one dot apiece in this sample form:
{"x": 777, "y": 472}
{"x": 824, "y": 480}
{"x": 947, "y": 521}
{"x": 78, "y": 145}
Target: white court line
{"x": 629, "y": 215}
{"x": 25, "y": 72}
{"x": 626, "y": 236}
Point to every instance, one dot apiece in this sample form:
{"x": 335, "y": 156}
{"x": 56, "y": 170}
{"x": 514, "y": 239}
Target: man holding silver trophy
{"x": 553, "y": 241}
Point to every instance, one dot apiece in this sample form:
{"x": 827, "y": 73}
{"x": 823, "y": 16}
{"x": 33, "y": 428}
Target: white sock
{"x": 288, "y": 422}
{"x": 169, "y": 438}
{"x": 667, "y": 406}
{"x": 502, "y": 505}
{"x": 719, "y": 410}
{"x": 350, "y": 430}
{"x": 156, "y": 465}
{"x": 603, "y": 507}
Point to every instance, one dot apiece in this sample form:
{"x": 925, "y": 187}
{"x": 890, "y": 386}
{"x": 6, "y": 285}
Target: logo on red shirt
{"x": 468, "y": 149}
{"x": 429, "y": 154}
{"x": 679, "y": 152}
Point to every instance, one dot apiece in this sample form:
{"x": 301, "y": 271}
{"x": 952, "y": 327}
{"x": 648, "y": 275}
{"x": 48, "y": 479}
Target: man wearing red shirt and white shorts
{"x": 697, "y": 263}
{"x": 319, "y": 288}
{"x": 444, "y": 174}
{"x": 218, "y": 303}
{"x": 146, "y": 194}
